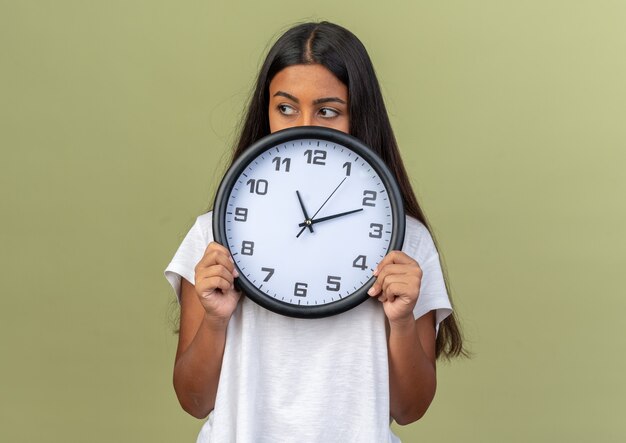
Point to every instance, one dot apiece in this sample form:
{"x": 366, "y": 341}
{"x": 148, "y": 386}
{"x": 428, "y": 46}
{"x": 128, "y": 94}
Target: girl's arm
{"x": 206, "y": 309}
{"x": 411, "y": 343}
{"x": 412, "y": 375}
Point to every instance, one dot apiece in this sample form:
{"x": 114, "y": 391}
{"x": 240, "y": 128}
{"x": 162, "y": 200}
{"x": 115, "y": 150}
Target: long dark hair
{"x": 343, "y": 54}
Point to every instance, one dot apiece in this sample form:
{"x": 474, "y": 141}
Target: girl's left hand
{"x": 397, "y": 285}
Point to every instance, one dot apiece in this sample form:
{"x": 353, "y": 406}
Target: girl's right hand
{"x": 214, "y": 282}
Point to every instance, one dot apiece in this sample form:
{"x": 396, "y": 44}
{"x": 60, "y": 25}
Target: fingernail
{"x": 371, "y": 291}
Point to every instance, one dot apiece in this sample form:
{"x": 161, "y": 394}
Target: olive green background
{"x": 116, "y": 119}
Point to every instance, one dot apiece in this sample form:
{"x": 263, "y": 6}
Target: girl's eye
{"x": 286, "y": 110}
{"x": 328, "y": 113}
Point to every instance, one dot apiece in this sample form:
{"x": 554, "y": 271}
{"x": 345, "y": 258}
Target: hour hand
{"x": 330, "y": 217}
{"x": 307, "y": 221}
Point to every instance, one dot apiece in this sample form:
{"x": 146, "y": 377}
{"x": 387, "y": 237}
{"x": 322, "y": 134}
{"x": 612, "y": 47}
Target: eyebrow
{"x": 327, "y": 100}
{"x": 315, "y": 102}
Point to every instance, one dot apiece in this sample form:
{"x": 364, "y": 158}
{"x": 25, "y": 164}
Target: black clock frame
{"x": 288, "y": 135}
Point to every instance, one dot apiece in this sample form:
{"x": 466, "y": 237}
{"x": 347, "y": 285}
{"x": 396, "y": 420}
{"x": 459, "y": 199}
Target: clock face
{"x": 307, "y": 214}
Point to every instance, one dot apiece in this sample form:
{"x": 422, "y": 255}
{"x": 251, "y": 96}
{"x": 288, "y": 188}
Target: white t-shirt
{"x": 301, "y": 380}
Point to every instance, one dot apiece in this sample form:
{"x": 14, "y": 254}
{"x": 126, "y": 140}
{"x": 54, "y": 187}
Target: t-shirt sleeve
{"x": 433, "y": 296}
{"x": 189, "y": 253}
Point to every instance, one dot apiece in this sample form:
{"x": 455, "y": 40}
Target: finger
{"x": 216, "y": 254}
{"x": 394, "y": 263}
{"x": 399, "y": 269}
{"x": 393, "y": 278}
{"x": 411, "y": 282}
{"x": 397, "y": 273}
{"x": 210, "y": 285}
{"x": 215, "y": 257}
{"x": 220, "y": 261}
{"x": 394, "y": 289}
{"x": 378, "y": 285}
{"x": 214, "y": 278}
{"x": 374, "y": 290}
{"x": 215, "y": 246}
{"x": 394, "y": 257}
{"x": 399, "y": 290}
{"x": 215, "y": 271}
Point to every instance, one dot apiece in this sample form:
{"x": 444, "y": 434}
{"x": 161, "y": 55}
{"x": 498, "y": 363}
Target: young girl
{"x": 263, "y": 377}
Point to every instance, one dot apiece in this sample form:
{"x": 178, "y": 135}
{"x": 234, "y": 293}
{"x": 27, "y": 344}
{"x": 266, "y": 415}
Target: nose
{"x": 306, "y": 120}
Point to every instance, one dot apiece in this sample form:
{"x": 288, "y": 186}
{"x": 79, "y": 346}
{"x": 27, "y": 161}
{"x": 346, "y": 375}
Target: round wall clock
{"x": 307, "y": 214}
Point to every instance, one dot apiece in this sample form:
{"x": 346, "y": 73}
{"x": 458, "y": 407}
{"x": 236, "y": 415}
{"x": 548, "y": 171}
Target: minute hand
{"x": 330, "y": 217}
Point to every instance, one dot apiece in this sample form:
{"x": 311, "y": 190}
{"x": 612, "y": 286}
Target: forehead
{"x": 305, "y": 81}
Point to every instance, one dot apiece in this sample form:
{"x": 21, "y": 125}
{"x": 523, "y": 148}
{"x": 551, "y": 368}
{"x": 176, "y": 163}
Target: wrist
{"x": 215, "y": 324}
{"x": 403, "y": 326}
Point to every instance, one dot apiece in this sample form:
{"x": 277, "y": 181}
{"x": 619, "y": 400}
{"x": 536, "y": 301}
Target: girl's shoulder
{"x": 203, "y": 227}
{"x": 418, "y": 241}
{"x": 205, "y": 220}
